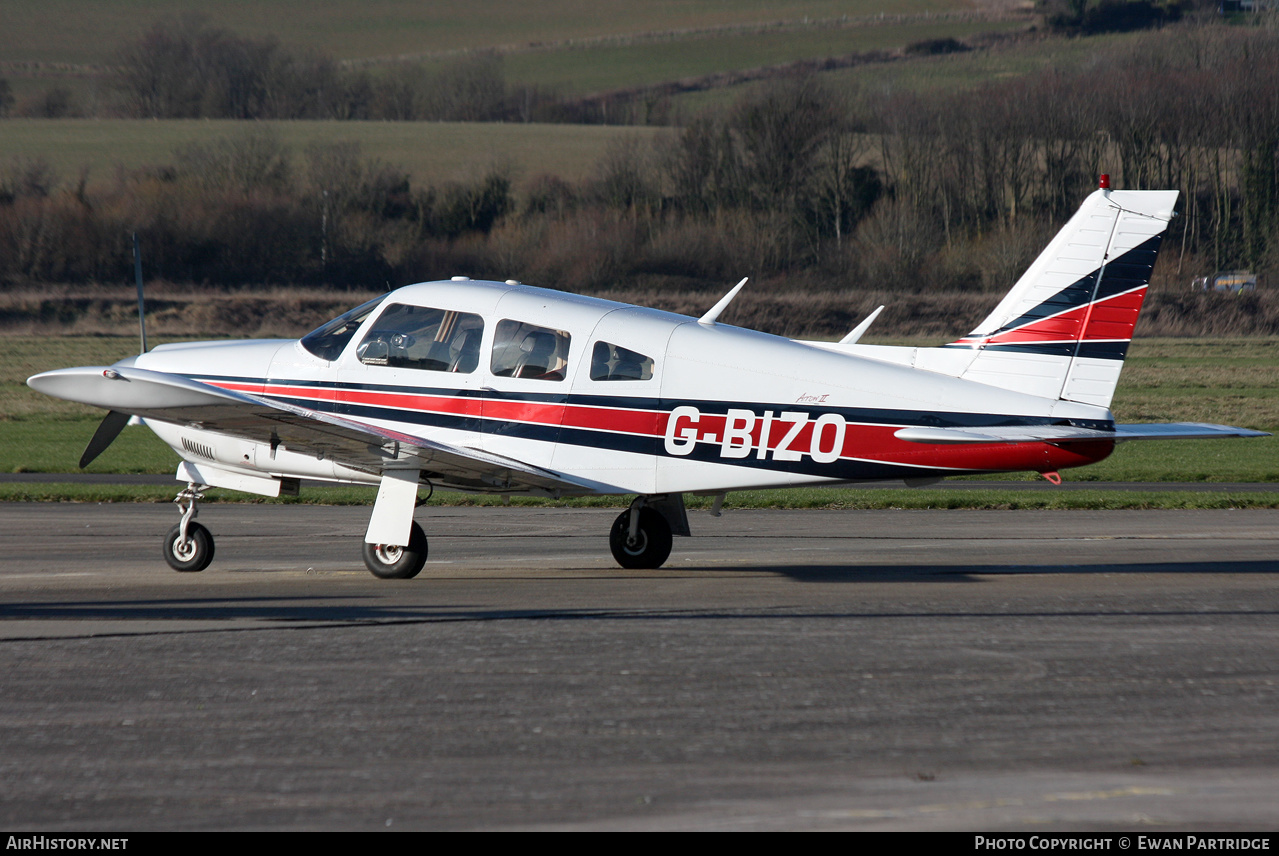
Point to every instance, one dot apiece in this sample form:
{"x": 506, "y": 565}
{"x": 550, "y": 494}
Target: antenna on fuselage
{"x": 709, "y": 318}
{"x": 860, "y": 330}
{"x": 142, "y": 313}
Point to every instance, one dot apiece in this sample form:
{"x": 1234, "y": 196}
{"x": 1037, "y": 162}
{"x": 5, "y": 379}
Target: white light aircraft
{"x": 508, "y": 389}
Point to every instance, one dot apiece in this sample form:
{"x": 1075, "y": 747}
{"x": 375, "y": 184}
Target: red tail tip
{"x": 1104, "y": 182}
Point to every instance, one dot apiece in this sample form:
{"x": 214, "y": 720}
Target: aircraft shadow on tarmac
{"x": 302, "y": 615}
{"x": 386, "y": 607}
{"x": 973, "y": 573}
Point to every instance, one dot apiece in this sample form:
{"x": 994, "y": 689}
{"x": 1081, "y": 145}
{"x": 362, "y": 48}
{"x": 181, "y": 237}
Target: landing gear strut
{"x": 188, "y": 547}
{"x": 640, "y": 538}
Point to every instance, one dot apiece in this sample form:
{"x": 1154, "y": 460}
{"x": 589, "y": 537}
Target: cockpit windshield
{"x": 328, "y": 341}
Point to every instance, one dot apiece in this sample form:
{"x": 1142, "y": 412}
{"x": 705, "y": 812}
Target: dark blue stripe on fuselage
{"x": 1094, "y": 350}
{"x": 652, "y": 445}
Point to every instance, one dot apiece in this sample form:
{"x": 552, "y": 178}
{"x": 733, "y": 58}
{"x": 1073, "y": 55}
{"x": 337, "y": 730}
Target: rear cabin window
{"x": 421, "y": 337}
{"x": 530, "y": 352}
{"x": 613, "y": 362}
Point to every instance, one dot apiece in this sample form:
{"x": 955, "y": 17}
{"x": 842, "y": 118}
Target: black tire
{"x": 193, "y": 556}
{"x": 654, "y": 540}
{"x": 389, "y": 562}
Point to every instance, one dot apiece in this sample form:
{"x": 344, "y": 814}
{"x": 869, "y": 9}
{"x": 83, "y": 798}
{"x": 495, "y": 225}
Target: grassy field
{"x": 565, "y": 45}
{"x": 1233, "y": 382}
{"x": 967, "y": 70}
{"x": 606, "y": 66}
{"x": 432, "y": 152}
{"x": 87, "y": 32}
{"x": 945, "y": 72}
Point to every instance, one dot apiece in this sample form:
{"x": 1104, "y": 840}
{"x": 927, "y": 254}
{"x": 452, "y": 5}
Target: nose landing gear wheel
{"x": 652, "y": 544}
{"x": 194, "y": 554}
{"x": 392, "y": 562}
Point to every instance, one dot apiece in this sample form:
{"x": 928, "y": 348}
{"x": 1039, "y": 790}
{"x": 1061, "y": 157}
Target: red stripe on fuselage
{"x": 645, "y": 423}
{"x": 648, "y": 423}
{"x": 453, "y": 405}
{"x": 877, "y": 442}
{"x": 862, "y": 441}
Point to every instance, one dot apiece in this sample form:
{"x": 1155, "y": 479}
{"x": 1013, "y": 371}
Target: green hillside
{"x": 431, "y": 152}
{"x": 86, "y": 32}
{"x": 568, "y": 47}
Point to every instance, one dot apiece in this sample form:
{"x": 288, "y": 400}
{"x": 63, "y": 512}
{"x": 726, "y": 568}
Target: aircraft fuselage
{"x": 708, "y": 407}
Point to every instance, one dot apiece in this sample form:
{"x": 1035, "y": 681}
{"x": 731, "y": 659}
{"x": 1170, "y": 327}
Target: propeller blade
{"x": 110, "y": 428}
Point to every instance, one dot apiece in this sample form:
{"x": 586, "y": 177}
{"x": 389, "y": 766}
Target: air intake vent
{"x": 199, "y": 449}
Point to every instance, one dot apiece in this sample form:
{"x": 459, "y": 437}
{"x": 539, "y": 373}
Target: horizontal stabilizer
{"x": 1072, "y": 434}
{"x": 1182, "y": 431}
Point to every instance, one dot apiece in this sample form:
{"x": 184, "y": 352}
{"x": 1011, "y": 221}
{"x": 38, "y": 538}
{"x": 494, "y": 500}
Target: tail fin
{"x": 1064, "y": 329}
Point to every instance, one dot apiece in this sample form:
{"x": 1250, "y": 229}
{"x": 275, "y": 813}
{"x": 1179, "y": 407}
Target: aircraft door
{"x": 612, "y": 429}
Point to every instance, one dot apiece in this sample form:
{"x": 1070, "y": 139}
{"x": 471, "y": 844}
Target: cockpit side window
{"x": 530, "y": 352}
{"x": 613, "y": 362}
{"x": 328, "y": 341}
{"x": 422, "y": 337}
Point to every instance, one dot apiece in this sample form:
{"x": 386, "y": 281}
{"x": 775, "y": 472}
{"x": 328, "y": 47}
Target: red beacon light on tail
{"x": 1104, "y": 182}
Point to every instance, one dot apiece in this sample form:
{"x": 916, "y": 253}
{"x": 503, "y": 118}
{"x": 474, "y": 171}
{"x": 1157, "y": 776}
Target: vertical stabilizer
{"x": 1064, "y": 329}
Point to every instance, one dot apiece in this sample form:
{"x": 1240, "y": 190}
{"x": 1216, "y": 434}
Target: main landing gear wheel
{"x": 652, "y": 543}
{"x": 193, "y": 554}
{"x": 392, "y": 562}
